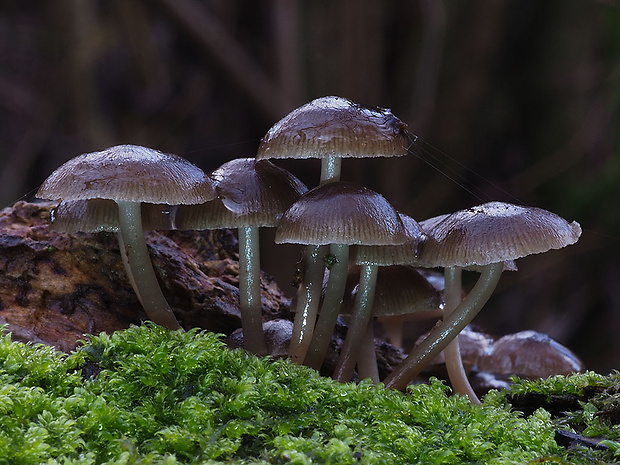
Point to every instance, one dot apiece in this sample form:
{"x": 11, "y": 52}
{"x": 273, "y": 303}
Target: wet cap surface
{"x": 335, "y": 126}
{"x": 251, "y": 193}
{"x": 494, "y": 232}
{"x": 245, "y": 186}
{"x": 129, "y": 172}
{"x": 341, "y": 213}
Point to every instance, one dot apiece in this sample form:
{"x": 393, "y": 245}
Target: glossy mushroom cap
{"x": 246, "y": 185}
{"x": 341, "y": 213}
{"x": 251, "y": 193}
{"x": 98, "y": 215}
{"x": 400, "y": 290}
{"x": 129, "y": 172}
{"x": 494, "y": 232}
{"x": 335, "y": 126}
{"x": 386, "y": 255}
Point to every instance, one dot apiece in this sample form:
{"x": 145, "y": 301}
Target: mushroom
{"x": 340, "y": 214}
{"x": 486, "y": 236}
{"x": 329, "y": 128}
{"x": 252, "y": 194}
{"x": 529, "y": 354}
{"x": 399, "y": 291}
{"x": 131, "y": 175}
{"x": 332, "y": 128}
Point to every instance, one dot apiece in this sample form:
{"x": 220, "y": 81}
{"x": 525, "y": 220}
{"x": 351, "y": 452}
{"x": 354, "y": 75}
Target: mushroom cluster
{"x": 362, "y": 258}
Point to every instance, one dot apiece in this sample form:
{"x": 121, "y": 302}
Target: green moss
{"x": 146, "y": 395}
{"x": 584, "y": 405}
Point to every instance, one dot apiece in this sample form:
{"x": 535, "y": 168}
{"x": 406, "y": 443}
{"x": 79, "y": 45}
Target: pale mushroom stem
{"x": 139, "y": 265}
{"x": 452, "y": 352}
{"x": 330, "y": 169}
{"x": 308, "y": 298}
{"x": 442, "y": 334}
{"x": 330, "y": 308}
{"x": 314, "y": 268}
{"x": 360, "y": 319}
{"x": 249, "y": 291}
{"x": 394, "y": 331}
{"x": 132, "y": 281}
{"x": 367, "y": 356}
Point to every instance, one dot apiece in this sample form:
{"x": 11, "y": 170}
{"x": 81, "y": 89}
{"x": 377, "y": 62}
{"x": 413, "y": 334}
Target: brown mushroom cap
{"x": 400, "y": 290}
{"x": 214, "y": 215}
{"x": 386, "y": 255}
{"x": 335, "y": 126}
{"x": 98, "y": 215}
{"x": 251, "y": 193}
{"x": 341, "y": 213}
{"x": 530, "y": 354}
{"x": 494, "y": 232}
{"x": 247, "y": 185}
{"x": 129, "y": 172}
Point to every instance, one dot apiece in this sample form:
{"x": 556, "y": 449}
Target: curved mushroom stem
{"x": 452, "y": 352}
{"x": 360, "y": 319}
{"x": 139, "y": 267}
{"x": 249, "y": 291}
{"x": 308, "y": 297}
{"x": 442, "y": 334}
{"x": 330, "y": 308}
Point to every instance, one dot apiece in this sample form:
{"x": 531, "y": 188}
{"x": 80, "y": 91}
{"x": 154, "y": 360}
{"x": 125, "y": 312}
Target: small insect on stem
{"x": 329, "y": 260}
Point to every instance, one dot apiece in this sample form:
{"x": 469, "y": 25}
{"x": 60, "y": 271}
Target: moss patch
{"x": 146, "y": 395}
{"x": 585, "y": 410}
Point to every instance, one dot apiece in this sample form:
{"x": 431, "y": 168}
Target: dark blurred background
{"x": 512, "y": 100}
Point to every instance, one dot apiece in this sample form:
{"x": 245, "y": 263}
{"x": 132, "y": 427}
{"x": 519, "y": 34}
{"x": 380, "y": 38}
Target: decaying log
{"x": 55, "y": 287}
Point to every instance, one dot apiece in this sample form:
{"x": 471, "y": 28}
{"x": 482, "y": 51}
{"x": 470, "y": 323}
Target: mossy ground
{"x": 145, "y": 395}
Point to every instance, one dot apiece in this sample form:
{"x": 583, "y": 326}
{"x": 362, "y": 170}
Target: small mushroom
{"x": 340, "y": 214}
{"x": 252, "y": 194}
{"x": 131, "y": 175}
{"x": 277, "y": 337}
{"x": 365, "y": 296}
{"x": 529, "y": 354}
{"x": 486, "y": 235}
{"x": 399, "y": 291}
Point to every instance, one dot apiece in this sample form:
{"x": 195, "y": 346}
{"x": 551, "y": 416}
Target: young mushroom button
{"x": 252, "y": 194}
{"x": 131, "y": 175}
